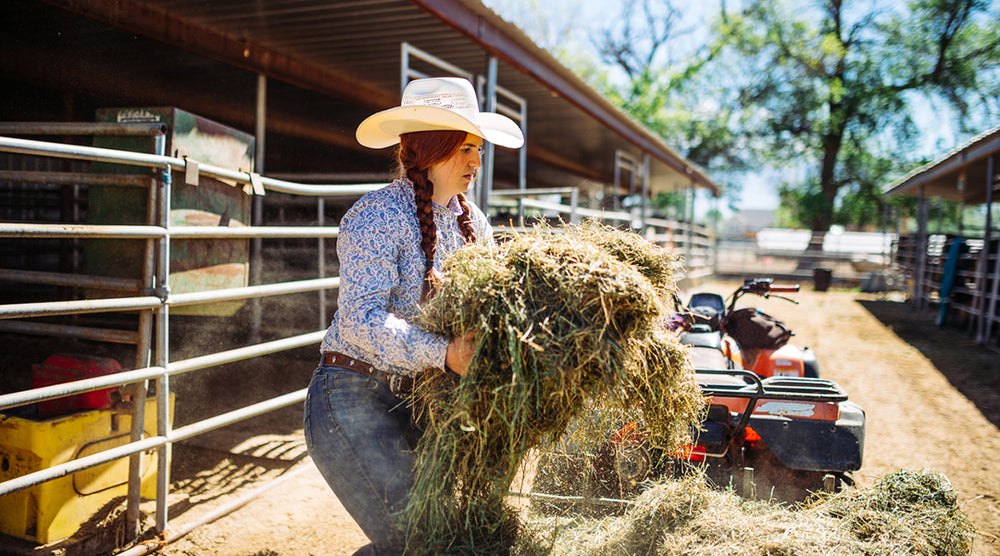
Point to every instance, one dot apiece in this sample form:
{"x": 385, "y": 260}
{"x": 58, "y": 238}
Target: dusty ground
{"x": 932, "y": 399}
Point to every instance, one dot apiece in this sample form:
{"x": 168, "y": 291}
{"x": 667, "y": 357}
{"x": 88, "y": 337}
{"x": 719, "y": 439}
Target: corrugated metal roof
{"x": 959, "y": 175}
{"x": 347, "y": 51}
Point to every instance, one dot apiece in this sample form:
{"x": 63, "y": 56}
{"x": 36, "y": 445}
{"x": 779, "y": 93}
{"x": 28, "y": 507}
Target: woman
{"x": 391, "y": 245}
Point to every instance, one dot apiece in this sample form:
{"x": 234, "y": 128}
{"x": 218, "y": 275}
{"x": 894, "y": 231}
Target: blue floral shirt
{"x": 381, "y": 277}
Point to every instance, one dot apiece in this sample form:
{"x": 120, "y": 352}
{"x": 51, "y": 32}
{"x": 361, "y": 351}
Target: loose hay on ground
{"x": 918, "y": 510}
{"x": 563, "y": 323}
{"x": 904, "y": 513}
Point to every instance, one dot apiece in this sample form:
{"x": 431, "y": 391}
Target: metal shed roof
{"x": 348, "y": 50}
{"x": 959, "y": 175}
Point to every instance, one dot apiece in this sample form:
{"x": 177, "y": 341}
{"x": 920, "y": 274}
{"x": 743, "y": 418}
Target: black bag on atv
{"x": 753, "y": 329}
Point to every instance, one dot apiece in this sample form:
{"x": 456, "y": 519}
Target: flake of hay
{"x": 562, "y": 322}
{"x": 659, "y": 266}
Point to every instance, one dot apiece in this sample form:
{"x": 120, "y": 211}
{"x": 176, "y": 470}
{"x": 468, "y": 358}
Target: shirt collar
{"x": 453, "y": 205}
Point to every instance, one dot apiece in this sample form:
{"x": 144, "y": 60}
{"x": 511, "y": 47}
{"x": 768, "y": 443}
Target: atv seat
{"x": 700, "y": 338}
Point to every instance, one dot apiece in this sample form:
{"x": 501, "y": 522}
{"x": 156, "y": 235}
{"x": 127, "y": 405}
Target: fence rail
{"x": 153, "y": 303}
{"x": 965, "y": 292}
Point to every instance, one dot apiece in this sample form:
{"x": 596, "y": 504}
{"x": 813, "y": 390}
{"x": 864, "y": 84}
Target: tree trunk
{"x": 832, "y": 141}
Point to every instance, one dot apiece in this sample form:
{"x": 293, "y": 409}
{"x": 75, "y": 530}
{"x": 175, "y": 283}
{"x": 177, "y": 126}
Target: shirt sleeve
{"x": 369, "y": 248}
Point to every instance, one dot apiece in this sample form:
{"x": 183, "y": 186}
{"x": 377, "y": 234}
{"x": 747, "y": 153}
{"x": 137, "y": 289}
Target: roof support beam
{"x": 97, "y": 80}
{"x": 992, "y": 281}
{"x": 176, "y": 31}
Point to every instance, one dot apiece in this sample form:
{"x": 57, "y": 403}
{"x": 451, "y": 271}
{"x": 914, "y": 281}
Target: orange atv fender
{"x": 815, "y": 411}
{"x": 784, "y": 361}
{"x": 731, "y": 350}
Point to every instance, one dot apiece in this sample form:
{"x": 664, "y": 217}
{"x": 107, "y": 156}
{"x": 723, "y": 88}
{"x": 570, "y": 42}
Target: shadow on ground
{"x": 973, "y": 369}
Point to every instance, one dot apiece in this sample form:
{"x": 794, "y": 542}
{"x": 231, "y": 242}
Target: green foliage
{"x": 672, "y": 205}
{"x": 833, "y": 85}
{"x": 675, "y": 96}
{"x": 800, "y": 206}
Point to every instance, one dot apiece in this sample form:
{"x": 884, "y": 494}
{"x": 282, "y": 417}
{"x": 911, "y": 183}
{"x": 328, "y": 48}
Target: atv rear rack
{"x": 745, "y": 384}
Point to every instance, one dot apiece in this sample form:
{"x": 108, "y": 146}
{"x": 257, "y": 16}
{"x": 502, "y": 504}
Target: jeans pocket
{"x": 347, "y": 379}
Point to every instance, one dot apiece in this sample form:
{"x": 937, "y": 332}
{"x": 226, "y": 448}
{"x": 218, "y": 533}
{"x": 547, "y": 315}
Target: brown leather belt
{"x": 397, "y": 383}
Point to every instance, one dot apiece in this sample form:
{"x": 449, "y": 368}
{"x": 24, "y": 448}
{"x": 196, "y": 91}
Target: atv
{"x": 775, "y": 438}
{"x": 724, "y": 337}
{"x": 772, "y": 428}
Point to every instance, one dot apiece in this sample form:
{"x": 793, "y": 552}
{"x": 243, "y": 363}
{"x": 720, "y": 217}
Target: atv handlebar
{"x": 686, "y": 316}
{"x": 764, "y": 287}
{"x": 785, "y": 288}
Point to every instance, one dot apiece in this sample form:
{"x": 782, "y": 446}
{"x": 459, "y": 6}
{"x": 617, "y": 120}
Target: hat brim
{"x": 383, "y": 129}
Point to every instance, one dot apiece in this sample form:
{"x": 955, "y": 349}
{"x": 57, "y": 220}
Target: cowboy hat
{"x": 435, "y": 104}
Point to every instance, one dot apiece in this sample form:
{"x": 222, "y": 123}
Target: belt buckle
{"x": 395, "y": 381}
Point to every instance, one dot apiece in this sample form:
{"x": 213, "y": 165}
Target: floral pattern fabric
{"x": 381, "y": 277}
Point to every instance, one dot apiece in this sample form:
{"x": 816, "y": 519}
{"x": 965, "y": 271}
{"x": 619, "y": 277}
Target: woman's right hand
{"x": 459, "y": 353}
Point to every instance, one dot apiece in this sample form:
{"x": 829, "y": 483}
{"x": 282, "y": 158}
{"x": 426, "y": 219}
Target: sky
{"x": 573, "y": 23}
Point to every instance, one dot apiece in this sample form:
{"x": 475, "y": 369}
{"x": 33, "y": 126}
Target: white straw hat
{"x": 435, "y": 104}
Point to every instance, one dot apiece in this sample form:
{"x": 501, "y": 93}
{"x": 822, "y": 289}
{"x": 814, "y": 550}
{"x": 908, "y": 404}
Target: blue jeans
{"x": 361, "y": 438}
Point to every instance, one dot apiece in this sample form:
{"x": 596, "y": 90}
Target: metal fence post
{"x": 990, "y": 283}
{"x": 162, "y": 355}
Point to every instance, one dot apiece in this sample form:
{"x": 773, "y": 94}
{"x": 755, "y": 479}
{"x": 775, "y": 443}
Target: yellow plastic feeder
{"x": 55, "y": 509}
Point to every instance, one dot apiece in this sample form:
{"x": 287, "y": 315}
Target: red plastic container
{"x": 60, "y": 368}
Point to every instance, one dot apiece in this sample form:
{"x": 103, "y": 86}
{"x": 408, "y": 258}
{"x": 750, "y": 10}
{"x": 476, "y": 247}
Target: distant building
{"x": 747, "y": 223}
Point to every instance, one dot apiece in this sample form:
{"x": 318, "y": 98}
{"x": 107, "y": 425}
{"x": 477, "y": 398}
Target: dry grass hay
{"x": 562, "y": 322}
{"x": 905, "y": 513}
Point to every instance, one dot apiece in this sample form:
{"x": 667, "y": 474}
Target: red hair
{"x": 417, "y": 153}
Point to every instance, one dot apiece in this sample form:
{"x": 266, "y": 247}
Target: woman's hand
{"x": 459, "y": 353}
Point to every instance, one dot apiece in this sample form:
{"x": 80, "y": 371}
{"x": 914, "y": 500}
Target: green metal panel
{"x": 195, "y": 264}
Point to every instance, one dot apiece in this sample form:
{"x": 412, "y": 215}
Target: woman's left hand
{"x": 459, "y": 353}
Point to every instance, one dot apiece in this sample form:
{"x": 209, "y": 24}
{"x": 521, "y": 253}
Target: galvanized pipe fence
{"x": 972, "y": 297}
{"x": 695, "y": 242}
{"x": 153, "y": 298}
{"x": 153, "y": 302}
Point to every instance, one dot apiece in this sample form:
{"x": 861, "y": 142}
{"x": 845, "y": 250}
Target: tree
{"x": 663, "y": 78}
{"x": 832, "y": 86}
{"x": 672, "y": 205}
{"x": 824, "y": 89}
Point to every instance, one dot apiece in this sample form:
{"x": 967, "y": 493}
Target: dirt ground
{"x": 932, "y": 399}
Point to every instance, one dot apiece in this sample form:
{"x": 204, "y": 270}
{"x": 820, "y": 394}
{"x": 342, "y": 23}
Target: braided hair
{"x": 417, "y": 153}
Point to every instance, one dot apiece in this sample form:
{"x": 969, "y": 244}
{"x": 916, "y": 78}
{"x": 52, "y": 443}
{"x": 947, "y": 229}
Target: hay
{"x": 916, "y": 510}
{"x": 563, "y": 323}
{"x": 904, "y": 513}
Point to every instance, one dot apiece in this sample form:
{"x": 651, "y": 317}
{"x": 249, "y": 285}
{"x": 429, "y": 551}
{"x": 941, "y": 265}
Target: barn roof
{"x": 959, "y": 175}
{"x": 157, "y": 51}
